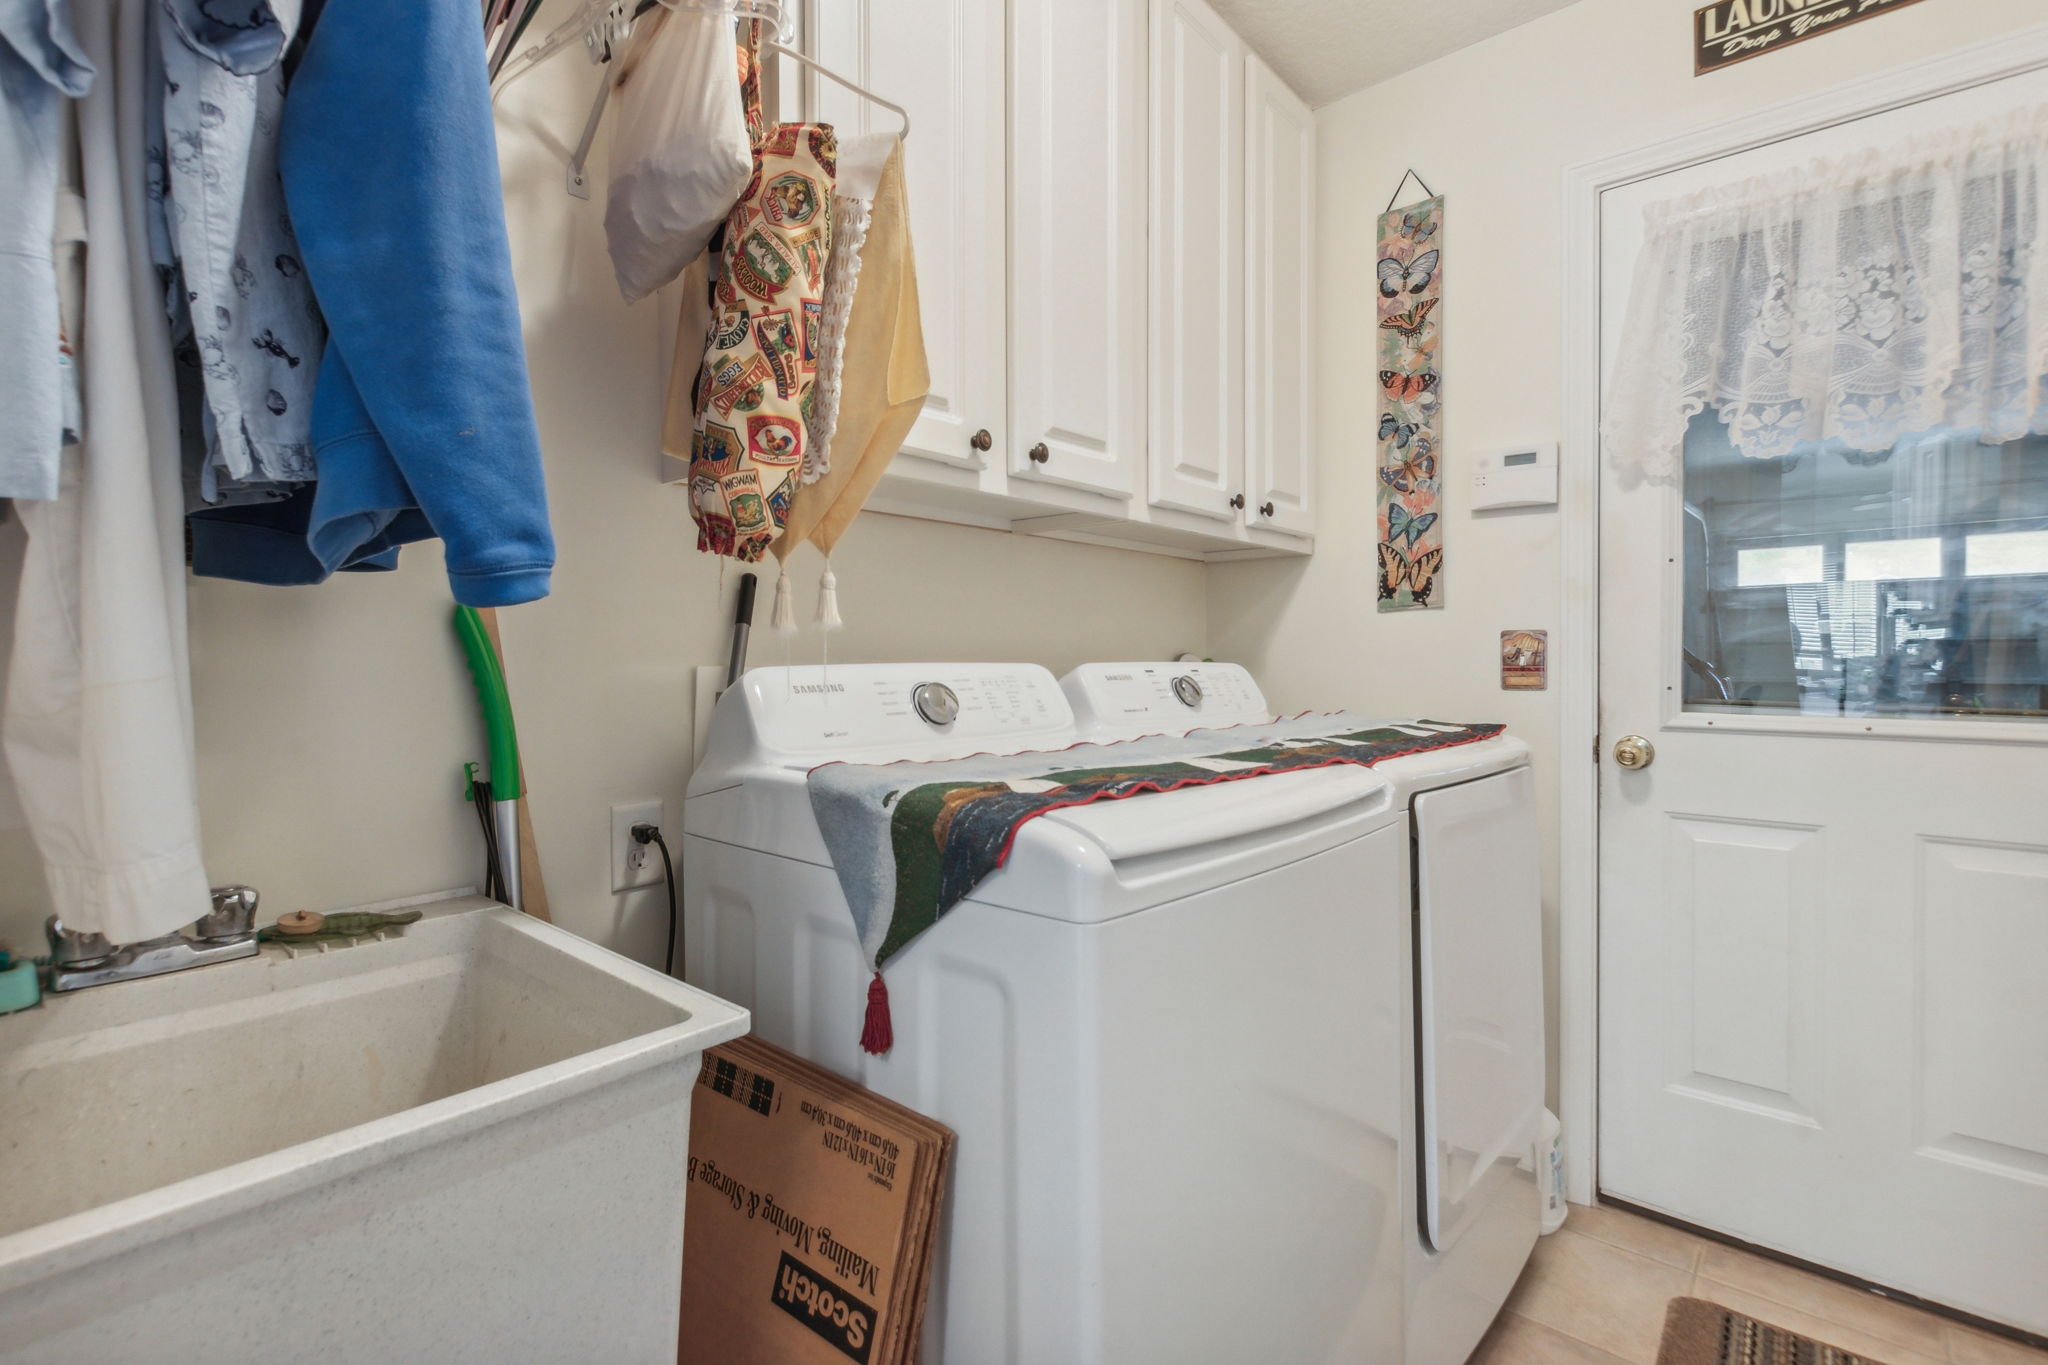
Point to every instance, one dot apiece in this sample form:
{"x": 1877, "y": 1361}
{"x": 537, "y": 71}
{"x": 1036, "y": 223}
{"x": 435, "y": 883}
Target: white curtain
{"x": 1856, "y": 299}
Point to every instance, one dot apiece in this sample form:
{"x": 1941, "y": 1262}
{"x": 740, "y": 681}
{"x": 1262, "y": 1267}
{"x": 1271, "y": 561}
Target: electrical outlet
{"x": 635, "y": 864}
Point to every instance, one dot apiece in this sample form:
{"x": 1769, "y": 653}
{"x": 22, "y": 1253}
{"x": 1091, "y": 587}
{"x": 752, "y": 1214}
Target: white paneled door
{"x": 943, "y": 61}
{"x": 1077, "y": 243}
{"x": 1280, "y": 280}
{"x": 1197, "y": 261}
{"x": 1824, "y": 882}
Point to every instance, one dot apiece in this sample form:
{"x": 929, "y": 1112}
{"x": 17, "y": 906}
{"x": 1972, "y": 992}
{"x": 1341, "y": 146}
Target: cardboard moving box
{"x": 813, "y": 1206}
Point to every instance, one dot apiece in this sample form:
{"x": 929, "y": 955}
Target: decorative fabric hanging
{"x": 1857, "y": 299}
{"x": 751, "y": 406}
{"x": 1409, "y": 294}
{"x": 879, "y": 378}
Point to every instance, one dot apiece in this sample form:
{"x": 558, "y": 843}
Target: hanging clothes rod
{"x": 829, "y": 74}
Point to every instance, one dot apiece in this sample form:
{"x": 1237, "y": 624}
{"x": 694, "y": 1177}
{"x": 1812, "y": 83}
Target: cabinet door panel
{"x": 1197, "y": 260}
{"x": 1280, "y": 216}
{"x": 943, "y": 61}
{"x": 1077, "y": 243}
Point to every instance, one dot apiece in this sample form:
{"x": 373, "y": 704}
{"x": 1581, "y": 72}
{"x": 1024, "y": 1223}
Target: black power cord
{"x": 494, "y": 857}
{"x": 644, "y": 833}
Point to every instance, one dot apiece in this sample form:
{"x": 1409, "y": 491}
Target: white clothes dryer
{"x": 1168, "y": 1030}
{"x": 1472, "y": 1043}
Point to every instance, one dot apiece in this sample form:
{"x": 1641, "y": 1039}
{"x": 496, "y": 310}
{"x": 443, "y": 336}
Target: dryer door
{"x": 1479, "y": 995}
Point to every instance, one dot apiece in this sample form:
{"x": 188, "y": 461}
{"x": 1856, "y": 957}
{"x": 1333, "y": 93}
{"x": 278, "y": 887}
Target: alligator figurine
{"x": 308, "y": 926}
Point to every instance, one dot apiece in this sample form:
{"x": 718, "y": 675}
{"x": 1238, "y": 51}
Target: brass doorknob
{"x": 981, "y": 440}
{"x": 1039, "y": 454}
{"x": 1237, "y": 501}
{"x": 1266, "y": 510}
{"x": 1633, "y": 752}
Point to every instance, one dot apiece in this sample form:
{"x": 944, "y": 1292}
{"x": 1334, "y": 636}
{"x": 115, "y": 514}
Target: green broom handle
{"x": 496, "y": 702}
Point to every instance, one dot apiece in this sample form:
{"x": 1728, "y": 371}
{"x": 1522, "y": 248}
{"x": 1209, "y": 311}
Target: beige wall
{"x": 1492, "y": 128}
{"x": 333, "y": 721}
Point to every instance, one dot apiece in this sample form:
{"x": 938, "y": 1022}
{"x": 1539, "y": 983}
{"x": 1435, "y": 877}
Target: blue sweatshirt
{"x": 422, "y": 419}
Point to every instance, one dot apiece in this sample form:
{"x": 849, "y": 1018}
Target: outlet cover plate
{"x": 625, "y": 815}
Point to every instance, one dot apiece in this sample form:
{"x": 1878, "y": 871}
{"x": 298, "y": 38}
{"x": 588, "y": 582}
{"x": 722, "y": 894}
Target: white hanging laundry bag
{"x": 680, "y": 155}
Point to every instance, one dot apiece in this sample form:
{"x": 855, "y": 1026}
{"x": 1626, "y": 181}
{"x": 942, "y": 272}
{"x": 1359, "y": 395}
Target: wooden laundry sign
{"x": 1730, "y": 31}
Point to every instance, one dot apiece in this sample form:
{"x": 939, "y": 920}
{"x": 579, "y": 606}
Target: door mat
{"x": 1700, "y": 1333}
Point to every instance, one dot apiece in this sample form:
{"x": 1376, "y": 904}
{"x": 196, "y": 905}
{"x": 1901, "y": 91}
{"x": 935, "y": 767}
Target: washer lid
{"x": 1089, "y": 863}
{"x": 1092, "y": 863}
{"x": 1197, "y": 817}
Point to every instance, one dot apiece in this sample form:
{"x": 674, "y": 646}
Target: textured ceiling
{"x": 1328, "y": 48}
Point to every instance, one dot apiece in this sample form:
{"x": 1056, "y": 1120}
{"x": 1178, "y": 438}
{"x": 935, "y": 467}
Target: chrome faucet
{"x": 80, "y": 958}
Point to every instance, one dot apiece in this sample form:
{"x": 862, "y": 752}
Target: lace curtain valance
{"x": 1854, "y": 300}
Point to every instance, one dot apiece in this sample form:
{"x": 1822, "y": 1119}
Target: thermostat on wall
{"x": 1525, "y": 476}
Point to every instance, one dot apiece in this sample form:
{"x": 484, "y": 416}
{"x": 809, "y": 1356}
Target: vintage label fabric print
{"x": 760, "y": 357}
{"x": 1408, "y": 288}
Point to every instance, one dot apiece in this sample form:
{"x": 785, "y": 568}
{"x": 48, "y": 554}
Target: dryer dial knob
{"x": 1188, "y": 690}
{"x": 936, "y": 702}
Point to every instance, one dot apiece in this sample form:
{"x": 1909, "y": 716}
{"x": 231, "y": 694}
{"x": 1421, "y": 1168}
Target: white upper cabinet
{"x": 1280, "y": 216}
{"x": 1077, "y": 244}
{"x": 1112, "y": 214}
{"x": 1197, "y": 261}
{"x": 943, "y": 61}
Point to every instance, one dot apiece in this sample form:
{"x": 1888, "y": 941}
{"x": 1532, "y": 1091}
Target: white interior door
{"x": 1824, "y": 903}
{"x": 943, "y": 61}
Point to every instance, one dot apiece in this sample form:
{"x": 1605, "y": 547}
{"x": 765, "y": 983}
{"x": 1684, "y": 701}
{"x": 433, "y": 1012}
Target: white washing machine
{"x": 1167, "y": 1031}
{"x": 1473, "y": 990}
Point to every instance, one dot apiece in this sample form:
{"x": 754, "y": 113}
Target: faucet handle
{"x": 233, "y": 915}
{"x": 76, "y": 947}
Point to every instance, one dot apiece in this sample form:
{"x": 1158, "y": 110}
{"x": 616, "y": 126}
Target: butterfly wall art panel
{"x": 1409, "y": 445}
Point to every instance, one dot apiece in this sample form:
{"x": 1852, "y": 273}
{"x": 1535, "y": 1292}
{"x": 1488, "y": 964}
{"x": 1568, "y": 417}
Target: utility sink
{"x": 465, "y": 1142}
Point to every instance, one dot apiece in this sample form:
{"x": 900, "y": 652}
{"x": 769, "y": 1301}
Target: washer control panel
{"x": 1118, "y": 701}
{"x": 904, "y": 710}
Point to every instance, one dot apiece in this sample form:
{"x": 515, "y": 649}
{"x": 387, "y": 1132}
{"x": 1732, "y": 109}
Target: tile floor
{"x": 1595, "y": 1293}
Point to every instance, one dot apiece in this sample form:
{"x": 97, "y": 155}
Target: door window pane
{"x": 1909, "y": 582}
{"x": 1880, "y": 561}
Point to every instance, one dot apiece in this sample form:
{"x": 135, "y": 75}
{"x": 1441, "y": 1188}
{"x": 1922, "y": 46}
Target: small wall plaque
{"x": 1730, "y": 31}
{"x": 1524, "y": 660}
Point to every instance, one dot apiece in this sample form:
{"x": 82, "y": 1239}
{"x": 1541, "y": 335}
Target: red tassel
{"x": 877, "y": 1035}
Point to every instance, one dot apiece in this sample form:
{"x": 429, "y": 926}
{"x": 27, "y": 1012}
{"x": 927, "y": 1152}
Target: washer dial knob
{"x": 936, "y": 702}
{"x": 1188, "y": 690}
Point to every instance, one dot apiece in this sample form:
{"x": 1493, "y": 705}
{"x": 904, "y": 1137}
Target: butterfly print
{"x": 1403, "y": 524}
{"x": 1418, "y": 574}
{"x": 1410, "y": 323}
{"x": 1402, "y": 432}
{"x": 1407, "y": 387}
{"x": 1411, "y": 277}
{"x": 1415, "y": 469}
{"x": 1412, "y": 227}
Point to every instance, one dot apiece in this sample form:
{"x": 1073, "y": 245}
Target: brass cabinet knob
{"x": 1039, "y": 453}
{"x": 1266, "y": 510}
{"x": 981, "y": 440}
{"x": 1237, "y": 501}
{"x": 1634, "y": 752}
